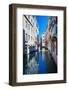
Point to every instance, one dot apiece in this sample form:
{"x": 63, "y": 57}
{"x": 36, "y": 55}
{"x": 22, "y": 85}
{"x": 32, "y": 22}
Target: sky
{"x": 42, "y": 24}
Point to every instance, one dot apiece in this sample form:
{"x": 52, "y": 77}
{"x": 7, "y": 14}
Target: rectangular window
{"x": 28, "y": 16}
{"x": 26, "y": 23}
{"x": 28, "y": 26}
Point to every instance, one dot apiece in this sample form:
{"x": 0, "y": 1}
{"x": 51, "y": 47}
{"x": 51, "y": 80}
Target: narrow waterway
{"x": 40, "y": 62}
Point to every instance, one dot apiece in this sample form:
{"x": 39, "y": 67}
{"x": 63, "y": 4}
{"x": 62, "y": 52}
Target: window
{"x": 28, "y": 16}
{"x": 31, "y": 29}
{"x": 31, "y": 21}
{"x": 26, "y": 37}
{"x": 28, "y": 26}
{"x": 26, "y": 23}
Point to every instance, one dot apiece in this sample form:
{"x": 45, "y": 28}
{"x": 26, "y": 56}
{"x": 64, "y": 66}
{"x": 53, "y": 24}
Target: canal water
{"x": 39, "y": 62}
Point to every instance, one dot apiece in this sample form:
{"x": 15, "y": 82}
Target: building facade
{"x": 30, "y": 29}
{"x": 44, "y": 39}
{"x": 51, "y": 36}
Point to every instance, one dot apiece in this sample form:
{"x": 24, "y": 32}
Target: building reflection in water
{"x": 39, "y": 62}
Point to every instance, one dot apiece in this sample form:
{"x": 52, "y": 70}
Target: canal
{"x": 39, "y": 62}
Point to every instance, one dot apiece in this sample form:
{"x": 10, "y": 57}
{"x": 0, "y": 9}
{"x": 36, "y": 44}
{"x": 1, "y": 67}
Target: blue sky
{"x": 42, "y": 23}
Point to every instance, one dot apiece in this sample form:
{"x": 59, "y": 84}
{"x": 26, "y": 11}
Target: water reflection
{"x": 39, "y": 62}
